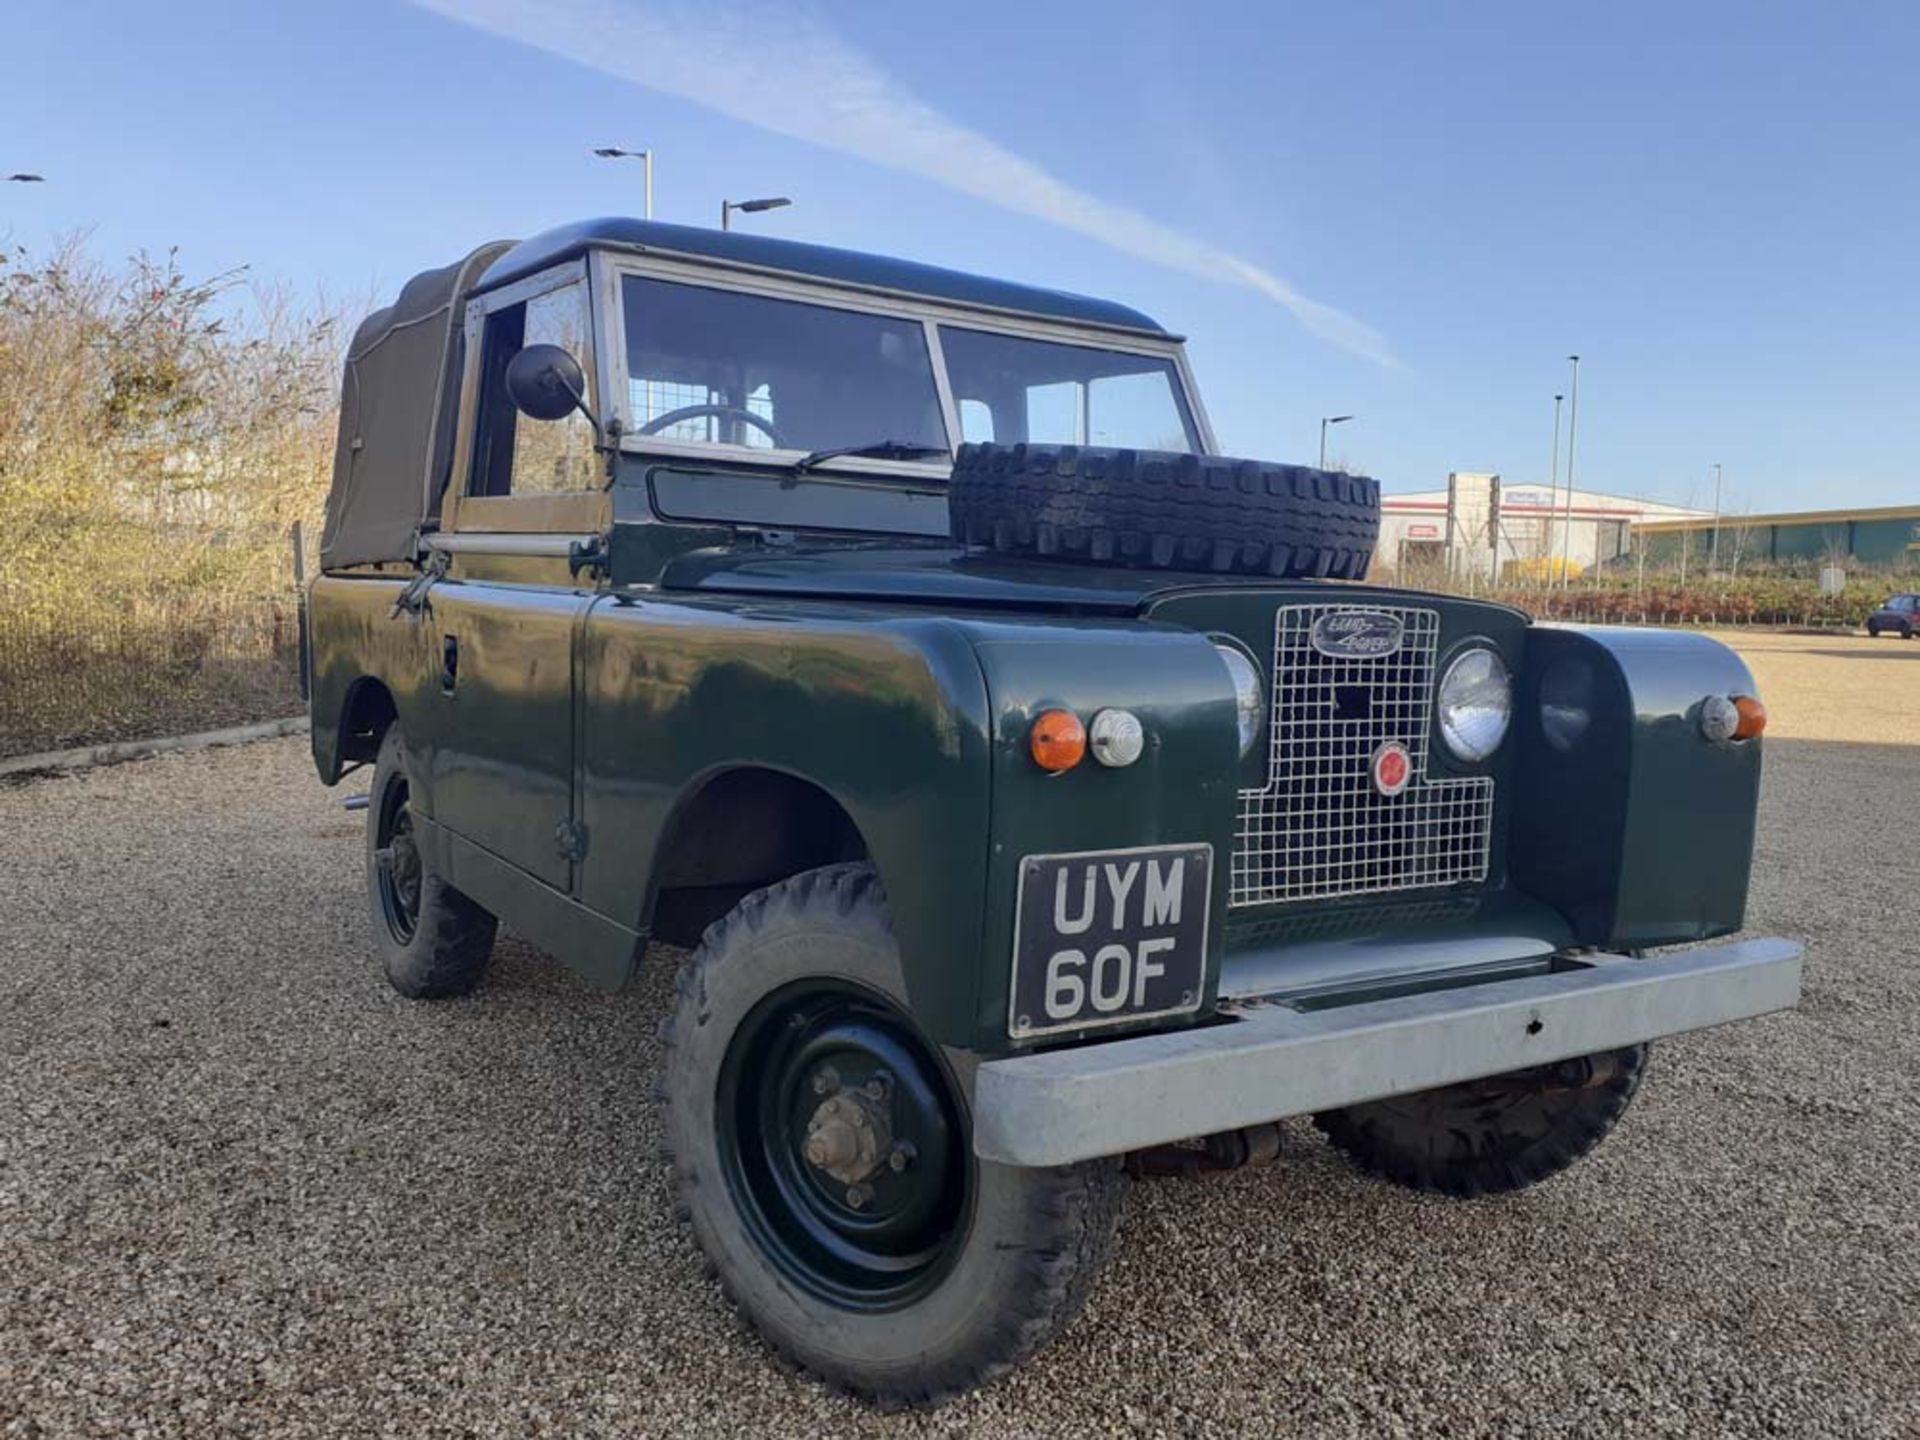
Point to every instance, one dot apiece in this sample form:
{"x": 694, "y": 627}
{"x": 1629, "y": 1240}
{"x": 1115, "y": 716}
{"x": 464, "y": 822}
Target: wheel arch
{"x": 737, "y": 829}
{"x": 367, "y": 709}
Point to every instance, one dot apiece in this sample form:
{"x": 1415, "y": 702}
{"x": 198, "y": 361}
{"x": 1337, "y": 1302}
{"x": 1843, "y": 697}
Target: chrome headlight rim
{"x": 1467, "y": 748}
{"x": 1249, "y": 691}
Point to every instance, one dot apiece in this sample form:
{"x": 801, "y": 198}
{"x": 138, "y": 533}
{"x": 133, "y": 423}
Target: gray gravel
{"x": 245, "y": 1189}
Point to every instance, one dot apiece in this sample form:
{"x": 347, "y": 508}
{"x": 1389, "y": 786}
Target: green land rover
{"x": 1042, "y": 796}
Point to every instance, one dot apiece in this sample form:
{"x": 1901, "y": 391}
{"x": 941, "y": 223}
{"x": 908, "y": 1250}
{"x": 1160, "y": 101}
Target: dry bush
{"x": 159, "y": 435}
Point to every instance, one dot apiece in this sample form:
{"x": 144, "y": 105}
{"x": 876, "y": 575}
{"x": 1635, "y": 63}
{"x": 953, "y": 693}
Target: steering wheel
{"x": 700, "y": 412}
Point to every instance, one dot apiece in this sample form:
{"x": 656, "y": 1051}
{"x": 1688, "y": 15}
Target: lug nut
{"x": 903, "y": 1155}
{"x": 827, "y": 1081}
{"x": 858, "y": 1196}
{"x": 880, "y": 1086}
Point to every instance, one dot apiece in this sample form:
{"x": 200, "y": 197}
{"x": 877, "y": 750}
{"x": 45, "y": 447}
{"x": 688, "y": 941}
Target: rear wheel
{"x": 823, "y": 1156}
{"x": 1873, "y": 631}
{"x": 1486, "y": 1137}
{"x": 433, "y": 941}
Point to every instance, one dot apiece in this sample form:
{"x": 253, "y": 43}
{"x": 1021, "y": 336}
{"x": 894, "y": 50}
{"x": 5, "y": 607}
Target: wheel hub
{"x": 848, "y": 1137}
{"x": 397, "y": 858}
{"x": 844, "y": 1144}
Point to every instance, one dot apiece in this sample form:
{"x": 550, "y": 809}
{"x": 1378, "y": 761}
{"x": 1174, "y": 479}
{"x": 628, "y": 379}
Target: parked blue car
{"x": 1899, "y": 616}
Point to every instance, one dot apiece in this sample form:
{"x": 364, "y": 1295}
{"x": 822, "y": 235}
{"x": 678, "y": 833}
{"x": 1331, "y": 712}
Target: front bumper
{"x": 1272, "y": 1061}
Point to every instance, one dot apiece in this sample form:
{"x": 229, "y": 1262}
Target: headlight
{"x": 1249, "y": 704}
{"x": 1476, "y": 702}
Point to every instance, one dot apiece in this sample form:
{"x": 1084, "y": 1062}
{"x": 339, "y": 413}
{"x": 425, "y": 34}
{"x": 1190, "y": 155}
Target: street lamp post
{"x": 1573, "y": 426}
{"x": 752, "y": 207}
{"x": 645, "y": 157}
{"x": 1553, "y": 488}
{"x": 1326, "y": 420}
{"x": 1713, "y": 553}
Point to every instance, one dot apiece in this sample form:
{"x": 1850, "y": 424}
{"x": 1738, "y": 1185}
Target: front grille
{"x": 1318, "y": 828}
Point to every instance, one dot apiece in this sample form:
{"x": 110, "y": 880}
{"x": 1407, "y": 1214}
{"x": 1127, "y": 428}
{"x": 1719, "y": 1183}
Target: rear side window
{"x": 513, "y": 453}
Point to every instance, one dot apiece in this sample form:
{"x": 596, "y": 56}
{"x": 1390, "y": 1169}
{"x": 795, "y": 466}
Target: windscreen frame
{"x": 611, "y": 268}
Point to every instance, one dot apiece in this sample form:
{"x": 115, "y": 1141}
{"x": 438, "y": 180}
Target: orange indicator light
{"x": 1059, "y": 740}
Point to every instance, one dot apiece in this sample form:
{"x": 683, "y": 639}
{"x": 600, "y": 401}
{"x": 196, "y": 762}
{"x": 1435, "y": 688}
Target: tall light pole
{"x": 1573, "y": 426}
{"x": 752, "y": 207}
{"x": 1713, "y": 554}
{"x": 645, "y": 157}
{"x": 1553, "y": 486}
{"x": 1326, "y": 420}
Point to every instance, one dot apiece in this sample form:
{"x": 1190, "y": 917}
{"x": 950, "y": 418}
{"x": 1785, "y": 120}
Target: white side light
{"x": 1116, "y": 737}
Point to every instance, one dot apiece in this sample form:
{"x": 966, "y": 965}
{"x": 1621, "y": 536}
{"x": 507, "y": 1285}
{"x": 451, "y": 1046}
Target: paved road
{"x": 245, "y": 1189}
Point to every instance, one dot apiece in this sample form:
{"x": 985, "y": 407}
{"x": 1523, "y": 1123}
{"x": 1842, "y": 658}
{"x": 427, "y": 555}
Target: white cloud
{"x": 787, "y": 73}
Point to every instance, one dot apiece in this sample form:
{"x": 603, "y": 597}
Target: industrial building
{"x": 1887, "y": 538}
{"x": 1479, "y": 527}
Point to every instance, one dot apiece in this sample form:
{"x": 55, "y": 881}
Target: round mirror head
{"x": 545, "y": 382}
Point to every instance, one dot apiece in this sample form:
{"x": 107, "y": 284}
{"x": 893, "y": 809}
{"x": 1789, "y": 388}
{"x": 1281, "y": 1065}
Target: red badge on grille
{"x": 1392, "y": 768}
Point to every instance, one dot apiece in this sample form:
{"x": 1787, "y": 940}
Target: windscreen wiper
{"x": 875, "y": 449}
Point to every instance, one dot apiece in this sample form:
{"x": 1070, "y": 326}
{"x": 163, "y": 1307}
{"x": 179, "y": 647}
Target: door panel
{"x": 502, "y": 772}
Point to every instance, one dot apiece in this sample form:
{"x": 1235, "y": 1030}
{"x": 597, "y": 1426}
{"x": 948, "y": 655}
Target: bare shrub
{"x": 159, "y": 435}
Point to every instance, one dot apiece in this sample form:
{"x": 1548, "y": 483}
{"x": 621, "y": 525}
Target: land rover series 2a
{"x": 1044, "y": 797}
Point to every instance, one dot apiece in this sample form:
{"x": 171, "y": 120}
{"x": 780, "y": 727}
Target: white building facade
{"x": 1479, "y": 526}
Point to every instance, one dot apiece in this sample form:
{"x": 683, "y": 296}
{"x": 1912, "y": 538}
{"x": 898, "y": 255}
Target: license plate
{"x": 1108, "y": 936}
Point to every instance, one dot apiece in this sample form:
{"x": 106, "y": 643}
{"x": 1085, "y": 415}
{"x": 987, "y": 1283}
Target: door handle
{"x": 449, "y": 663}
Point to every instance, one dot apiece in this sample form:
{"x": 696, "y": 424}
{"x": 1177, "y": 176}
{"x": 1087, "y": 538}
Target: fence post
{"x": 299, "y": 538}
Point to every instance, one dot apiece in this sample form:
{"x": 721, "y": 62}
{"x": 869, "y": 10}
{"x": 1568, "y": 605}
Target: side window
{"x": 976, "y": 420}
{"x": 514, "y": 454}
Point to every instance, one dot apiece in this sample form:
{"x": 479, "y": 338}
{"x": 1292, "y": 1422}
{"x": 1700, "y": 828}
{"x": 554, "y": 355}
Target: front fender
{"x": 1639, "y": 830}
{"x": 1181, "y": 790}
{"x": 884, "y": 713}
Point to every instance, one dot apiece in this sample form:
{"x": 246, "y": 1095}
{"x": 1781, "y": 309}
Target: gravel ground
{"x": 245, "y": 1189}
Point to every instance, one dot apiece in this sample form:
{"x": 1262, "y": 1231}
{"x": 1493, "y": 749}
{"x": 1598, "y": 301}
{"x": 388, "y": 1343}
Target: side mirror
{"x": 546, "y": 383}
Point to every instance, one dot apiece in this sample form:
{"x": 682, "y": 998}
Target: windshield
{"x": 722, "y": 368}
{"x": 1010, "y": 389}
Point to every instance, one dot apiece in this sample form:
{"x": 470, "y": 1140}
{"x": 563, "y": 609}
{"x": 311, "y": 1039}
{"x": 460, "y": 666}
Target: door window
{"x": 515, "y": 454}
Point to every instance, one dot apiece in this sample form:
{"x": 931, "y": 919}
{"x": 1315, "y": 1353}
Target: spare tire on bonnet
{"x": 1160, "y": 508}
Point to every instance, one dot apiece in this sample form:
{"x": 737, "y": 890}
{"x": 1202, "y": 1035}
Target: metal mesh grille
{"x": 1318, "y": 828}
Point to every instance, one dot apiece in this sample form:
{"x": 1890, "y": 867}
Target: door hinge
{"x": 570, "y": 839}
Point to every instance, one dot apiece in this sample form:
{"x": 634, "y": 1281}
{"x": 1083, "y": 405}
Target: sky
{"x": 1412, "y": 213}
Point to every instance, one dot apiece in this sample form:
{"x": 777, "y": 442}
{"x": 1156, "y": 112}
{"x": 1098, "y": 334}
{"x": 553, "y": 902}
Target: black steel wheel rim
{"x": 875, "y": 1251}
{"x": 397, "y": 862}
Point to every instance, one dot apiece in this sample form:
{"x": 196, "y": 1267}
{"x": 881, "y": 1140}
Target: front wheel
{"x": 822, "y": 1154}
{"x": 1486, "y": 1137}
{"x": 433, "y": 941}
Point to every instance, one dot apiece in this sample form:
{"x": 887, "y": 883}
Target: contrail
{"x": 789, "y": 74}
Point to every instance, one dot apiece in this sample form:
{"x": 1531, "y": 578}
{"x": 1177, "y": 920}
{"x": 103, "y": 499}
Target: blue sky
{"x": 1715, "y": 204}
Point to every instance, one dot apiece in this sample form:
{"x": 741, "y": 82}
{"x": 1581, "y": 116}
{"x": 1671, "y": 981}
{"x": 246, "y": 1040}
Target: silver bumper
{"x": 1107, "y": 1099}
